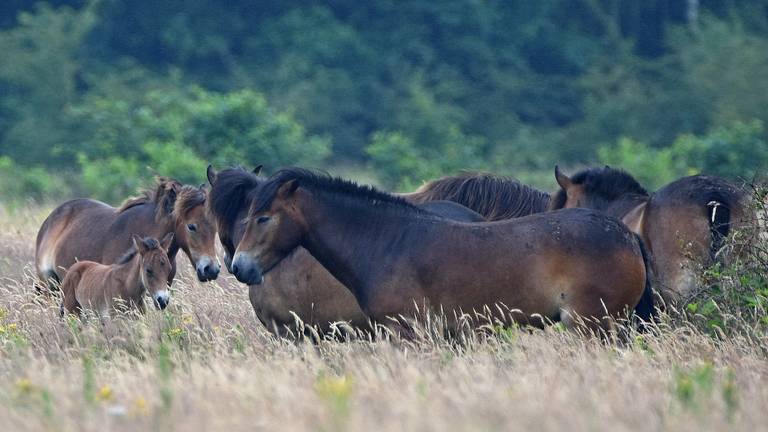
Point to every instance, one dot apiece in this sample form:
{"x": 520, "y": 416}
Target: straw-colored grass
{"x": 207, "y": 364}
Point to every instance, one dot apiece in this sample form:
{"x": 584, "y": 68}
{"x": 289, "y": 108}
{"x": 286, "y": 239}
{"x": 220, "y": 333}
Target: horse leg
{"x": 590, "y": 320}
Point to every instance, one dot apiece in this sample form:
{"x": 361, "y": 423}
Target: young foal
{"x": 392, "y": 255}
{"x": 144, "y": 268}
{"x": 76, "y": 230}
{"x": 683, "y": 224}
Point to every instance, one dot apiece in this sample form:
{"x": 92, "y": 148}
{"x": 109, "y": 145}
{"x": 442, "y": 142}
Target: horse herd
{"x": 327, "y": 250}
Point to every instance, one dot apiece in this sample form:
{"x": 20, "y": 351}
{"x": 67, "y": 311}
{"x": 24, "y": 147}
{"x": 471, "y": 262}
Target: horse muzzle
{"x": 246, "y": 269}
{"x": 207, "y": 269}
{"x": 161, "y": 299}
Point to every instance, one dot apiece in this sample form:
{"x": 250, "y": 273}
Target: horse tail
{"x": 646, "y": 308}
{"x": 719, "y": 218}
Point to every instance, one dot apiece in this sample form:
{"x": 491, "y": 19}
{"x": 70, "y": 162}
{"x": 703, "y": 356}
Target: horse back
{"x": 550, "y": 264}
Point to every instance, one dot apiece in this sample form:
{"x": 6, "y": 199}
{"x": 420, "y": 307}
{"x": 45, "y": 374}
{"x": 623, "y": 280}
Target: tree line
{"x": 96, "y": 96}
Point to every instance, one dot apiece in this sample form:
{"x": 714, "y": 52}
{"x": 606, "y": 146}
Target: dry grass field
{"x": 206, "y": 363}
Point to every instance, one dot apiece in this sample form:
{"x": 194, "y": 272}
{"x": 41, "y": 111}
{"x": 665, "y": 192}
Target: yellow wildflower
{"x": 139, "y": 407}
{"x": 105, "y": 393}
{"x": 24, "y": 385}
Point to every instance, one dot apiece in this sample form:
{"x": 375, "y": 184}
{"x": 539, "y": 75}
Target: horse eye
{"x": 192, "y": 227}
{"x": 149, "y": 271}
{"x": 262, "y": 219}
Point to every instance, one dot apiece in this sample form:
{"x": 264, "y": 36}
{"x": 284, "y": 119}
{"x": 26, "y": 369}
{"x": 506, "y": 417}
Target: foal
{"x": 144, "y": 268}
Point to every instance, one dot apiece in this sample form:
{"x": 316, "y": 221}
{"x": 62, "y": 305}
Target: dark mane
{"x": 324, "y": 183}
{"x": 605, "y": 185}
{"x": 188, "y": 198}
{"x": 149, "y": 242}
{"x": 127, "y": 256}
{"x": 494, "y": 197}
{"x": 163, "y": 196}
{"x": 232, "y": 191}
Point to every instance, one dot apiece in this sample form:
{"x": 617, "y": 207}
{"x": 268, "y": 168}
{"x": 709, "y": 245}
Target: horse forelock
{"x": 187, "y": 199}
{"x": 325, "y": 183}
{"x": 494, "y": 197}
{"x": 231, "y": 193}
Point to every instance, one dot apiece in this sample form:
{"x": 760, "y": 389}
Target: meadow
{"x": 206, "y": 363}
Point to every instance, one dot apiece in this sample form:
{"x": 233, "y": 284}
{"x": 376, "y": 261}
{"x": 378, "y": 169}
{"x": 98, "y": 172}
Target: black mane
{"x": 606, "y": 185}
{"x": 233, "y": 190}
{"x": 325, "y": 183}
{"x": 495, "y": 197}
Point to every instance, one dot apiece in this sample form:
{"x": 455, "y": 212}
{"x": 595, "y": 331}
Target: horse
{"x": 394, "y": 256}
{"x": 77, "y": 230}
{"x": 299, "y": 287}
{"x": 99, "y": 287}
{"x": 683, "y": 224}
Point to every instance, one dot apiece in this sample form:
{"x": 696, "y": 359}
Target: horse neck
{"x": 179, "y": 239}
{"x": 355, "y": 243}
{"x": 623, "y": 205}
{"x": 142, "y": 219}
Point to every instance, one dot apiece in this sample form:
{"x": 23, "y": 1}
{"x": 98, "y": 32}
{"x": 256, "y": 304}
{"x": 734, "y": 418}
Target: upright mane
{"x": 232, "y": 191}
{"x": 494, "y": 197}
{"x": 324, "y": 183}
{"x": 149, "y": 242}
{"x": 604, "y": 184}
{"x": 163, "y": 196}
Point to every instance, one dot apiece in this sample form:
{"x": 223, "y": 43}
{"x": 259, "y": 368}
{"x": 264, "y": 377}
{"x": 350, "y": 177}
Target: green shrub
{"x": 19, "y": 183}
{"x": 177, "y": 132}
{"x": 739, "y": 151}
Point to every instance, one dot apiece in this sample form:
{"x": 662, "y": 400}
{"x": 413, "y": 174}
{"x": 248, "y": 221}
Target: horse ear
{"x": 165, "y": 243}
{"x": 138, "y": 243}
{"x": 257, "y": 170}
{"x": 288, "y": 188}
{"x": 635, "y": 218}
{"x": 563, "y": 180}
{"x": 212, "y": 174}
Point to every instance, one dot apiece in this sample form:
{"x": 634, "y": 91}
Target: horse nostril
{"x": 162, "y": 302}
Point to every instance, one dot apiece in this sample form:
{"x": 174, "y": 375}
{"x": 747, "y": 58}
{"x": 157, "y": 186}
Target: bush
{"x": 176, "y": 133}
{"x": 20, "y": 183}
{"x": 739, "y": 151}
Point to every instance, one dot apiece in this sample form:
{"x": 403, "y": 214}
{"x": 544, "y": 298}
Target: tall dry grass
{"x": 206, "y": 364}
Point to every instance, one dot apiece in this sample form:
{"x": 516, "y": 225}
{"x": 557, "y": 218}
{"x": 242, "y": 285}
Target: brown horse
{"x": 683, "y": 224}
{"x": 299, "y": 285}
{"x": 78, "y": 230}
{"x": 393, "y": 255}
{"x": 143, "y": 269}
